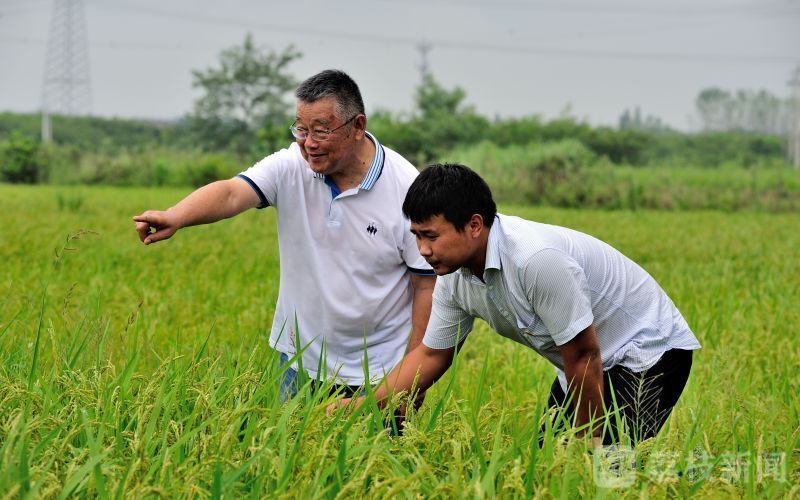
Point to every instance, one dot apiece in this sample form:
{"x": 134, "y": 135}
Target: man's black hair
{"x": 336, "y": 84}
{"x": 451, "y": 190}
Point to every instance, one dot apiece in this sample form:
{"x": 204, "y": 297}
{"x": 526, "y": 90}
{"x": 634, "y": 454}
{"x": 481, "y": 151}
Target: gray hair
{"x": 333, "y": 83}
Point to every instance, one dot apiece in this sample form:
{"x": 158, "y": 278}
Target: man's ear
{"x": 475, "y": 225}
{"x": 360, "y": 125}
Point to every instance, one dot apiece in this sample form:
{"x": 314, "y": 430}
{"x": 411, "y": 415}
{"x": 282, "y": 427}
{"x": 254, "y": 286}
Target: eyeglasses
{"x": 318, "y": 134}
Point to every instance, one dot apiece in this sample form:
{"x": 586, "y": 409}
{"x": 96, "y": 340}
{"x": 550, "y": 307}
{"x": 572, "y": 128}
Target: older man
{"x": 352, "y": 280}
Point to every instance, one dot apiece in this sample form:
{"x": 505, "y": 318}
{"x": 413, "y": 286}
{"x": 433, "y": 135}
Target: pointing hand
{"x": 154, "y": 226}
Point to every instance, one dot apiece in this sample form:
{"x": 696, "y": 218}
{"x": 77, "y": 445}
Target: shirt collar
{"x": 493, "y": 246}
{"x": 492, "y": 250}
{"x": 375, "y": 170}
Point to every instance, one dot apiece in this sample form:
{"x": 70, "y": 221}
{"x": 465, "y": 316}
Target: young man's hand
{"x": 353, "y": 403}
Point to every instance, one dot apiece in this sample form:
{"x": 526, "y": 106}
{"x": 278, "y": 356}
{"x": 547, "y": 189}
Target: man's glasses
{"x": 317, "y": 134}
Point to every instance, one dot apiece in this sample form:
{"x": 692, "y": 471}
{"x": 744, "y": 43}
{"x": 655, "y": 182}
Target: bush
{"x": 538, "y": 173}
{"x": 21, "y": 161}
{"x": 568, "y": 174}
{"x": 207, "y": 169}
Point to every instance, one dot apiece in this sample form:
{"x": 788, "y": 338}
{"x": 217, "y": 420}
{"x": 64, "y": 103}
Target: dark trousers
{"x": 643, "y": 400}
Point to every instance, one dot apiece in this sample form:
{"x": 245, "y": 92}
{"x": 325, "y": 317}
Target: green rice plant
{"x": 71, "y": 201}
{"x": 132, "y": 371}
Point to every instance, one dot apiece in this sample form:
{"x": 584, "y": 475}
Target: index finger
{"x": 145, "y": 217}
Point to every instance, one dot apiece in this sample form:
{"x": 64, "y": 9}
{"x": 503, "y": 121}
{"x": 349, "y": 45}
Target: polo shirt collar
{"x": 375, "y": 170}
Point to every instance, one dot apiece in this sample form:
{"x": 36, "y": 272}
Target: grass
{"x": 145, "y": 371}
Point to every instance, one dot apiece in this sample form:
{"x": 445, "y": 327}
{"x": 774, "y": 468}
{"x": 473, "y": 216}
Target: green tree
{"x": 714, "y": 107}
{"x": 635, "y": 121}
{"x": 433, "y": 100}
{"x": 444, "y": 120}
{"x": 244, "y": 94}
{"x": 743, "y": 110}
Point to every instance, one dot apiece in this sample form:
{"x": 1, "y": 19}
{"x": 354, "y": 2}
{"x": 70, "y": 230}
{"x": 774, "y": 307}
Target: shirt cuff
{"x": 574, "y": 329}
{"x": 248, "y": 180}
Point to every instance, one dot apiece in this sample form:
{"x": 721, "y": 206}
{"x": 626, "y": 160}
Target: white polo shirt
{"x": 545, "y": 284}
{"x": 346, "y": 260}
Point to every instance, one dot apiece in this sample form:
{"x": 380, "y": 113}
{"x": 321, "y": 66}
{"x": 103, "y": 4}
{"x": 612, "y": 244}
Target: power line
{"x": 22, "y": 8}
{"x": 116, "y": 45}
{"x": 569, "y": 52}
{"x": 456, "y": 45}
{"x": 463, "y": 46}
{"x": 598, "y": 8}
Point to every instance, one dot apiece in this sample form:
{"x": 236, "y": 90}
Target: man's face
{"x": 339, "y": 150}
{"x": 444, "y": 247}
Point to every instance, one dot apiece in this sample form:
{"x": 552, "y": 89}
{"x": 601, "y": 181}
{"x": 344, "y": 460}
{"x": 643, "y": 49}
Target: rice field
{"x": 132, "y": 371}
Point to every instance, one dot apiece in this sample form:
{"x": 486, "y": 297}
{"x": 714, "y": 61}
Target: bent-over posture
{"x": 605, "y": 324}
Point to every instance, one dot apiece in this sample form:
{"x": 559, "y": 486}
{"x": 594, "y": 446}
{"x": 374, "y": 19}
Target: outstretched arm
{"x": 216, "y": 201}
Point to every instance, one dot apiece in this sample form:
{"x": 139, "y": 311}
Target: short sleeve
{"x": 556, "y": 287}
{"x": 449, "y": 324}
{"x": 414, "y": 261}
{"x": 266, "y": 176}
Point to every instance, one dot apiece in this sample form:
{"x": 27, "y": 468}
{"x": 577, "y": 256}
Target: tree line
{"x": 246, "y": 105}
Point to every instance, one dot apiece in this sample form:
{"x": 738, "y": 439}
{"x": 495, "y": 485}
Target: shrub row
{"x": 568, "y": 174}
{"x": 23, "y": 160}
{"x": 558, "y": 173}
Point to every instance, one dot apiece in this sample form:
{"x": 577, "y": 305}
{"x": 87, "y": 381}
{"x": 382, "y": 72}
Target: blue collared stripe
{"x": 377, "y": 165}
{"x": 264, "y": 202}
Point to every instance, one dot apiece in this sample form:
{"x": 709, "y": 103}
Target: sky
{"x": 591, "y": 59}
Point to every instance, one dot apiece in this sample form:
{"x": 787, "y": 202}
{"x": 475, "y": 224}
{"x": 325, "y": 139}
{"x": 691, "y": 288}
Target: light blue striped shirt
{"x": 545, "y": 284}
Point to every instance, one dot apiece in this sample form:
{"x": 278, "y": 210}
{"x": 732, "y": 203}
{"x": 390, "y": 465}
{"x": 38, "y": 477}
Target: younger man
{"x": 599, "y": 318}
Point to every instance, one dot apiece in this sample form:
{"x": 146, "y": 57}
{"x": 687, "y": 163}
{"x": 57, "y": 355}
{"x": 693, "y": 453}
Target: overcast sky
{"x": 513, "y": 57}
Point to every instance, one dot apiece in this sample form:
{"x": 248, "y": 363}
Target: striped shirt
{"x": 545, "y": 284}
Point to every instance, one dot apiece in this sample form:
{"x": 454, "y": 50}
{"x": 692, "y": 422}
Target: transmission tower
{"x": 794, "y": 117}
{"x": 66, "y": 87}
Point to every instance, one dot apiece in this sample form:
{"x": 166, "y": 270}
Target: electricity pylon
{"x": 66, "y": 88}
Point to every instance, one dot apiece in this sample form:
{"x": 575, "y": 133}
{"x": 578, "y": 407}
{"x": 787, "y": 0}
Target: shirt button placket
{"x": 497, "y": 303}
{"x": 333, "y": 214}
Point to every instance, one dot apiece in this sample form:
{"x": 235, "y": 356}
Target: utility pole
{"x": 424, "y": 49}
{"x": 794, "y": 118}
{"x": 66, "y": 88}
